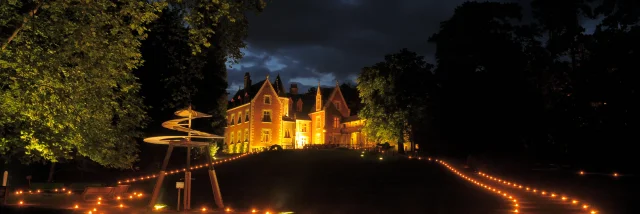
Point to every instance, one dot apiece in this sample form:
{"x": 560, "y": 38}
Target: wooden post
{"x": 156, "y": 189}
{"x": 217, "y": 195}
{"x": 178, "y": 200}
{"x": 187, "y": 172}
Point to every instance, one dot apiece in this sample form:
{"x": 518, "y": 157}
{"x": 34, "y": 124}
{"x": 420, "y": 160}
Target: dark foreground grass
{"x": 332, "y": 181}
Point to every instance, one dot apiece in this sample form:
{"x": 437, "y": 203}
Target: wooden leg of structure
{"x": 217, "y": 196}
{"x": 187, "y": 181}
{"x": 156, "y": 188}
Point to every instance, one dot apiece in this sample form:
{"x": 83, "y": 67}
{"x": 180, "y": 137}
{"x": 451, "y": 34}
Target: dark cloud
{"x": 307, "y": 41}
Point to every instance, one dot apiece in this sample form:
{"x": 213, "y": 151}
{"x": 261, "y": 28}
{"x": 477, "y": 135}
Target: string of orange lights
{"x": 571, "y": 201}
{"x": 501, "y": 192}
{"x": 175, "y": 171}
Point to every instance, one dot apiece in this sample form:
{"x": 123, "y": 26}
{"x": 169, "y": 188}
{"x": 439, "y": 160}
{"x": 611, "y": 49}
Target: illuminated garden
{"x": 346, "y": 106}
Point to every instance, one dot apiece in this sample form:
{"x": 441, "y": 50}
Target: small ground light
{"x": 99, "y": 198}
{"x": 21, "y": 202}
{"x": 118, "y": 198}
{"x": 121, "y": 206}
{"x": 380, "y": 158}
{"x": 615, "y": 174}
{"x": 204, "y": 209}
{"x": 585, "y": 206}
{"x": 99, "y": 203}
{"x": 228, "y": 210}
{"x": 94, "y": 209}
{"x": 362, "y": 155}
{"x": 574, "y": 202}
{"x": 75, "y": 207}
{"x": 254, "y": 210}
{"x": 581, "y": 172}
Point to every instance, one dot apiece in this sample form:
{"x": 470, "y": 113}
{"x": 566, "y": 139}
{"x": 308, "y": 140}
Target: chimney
{"x": 247, "y": 81}
{"x": 294, "y": 89}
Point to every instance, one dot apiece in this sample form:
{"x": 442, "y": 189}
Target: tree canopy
{"x": 66, "y": 82}
{"x": 393, "y": 96}
{"x": 65, "y": 86}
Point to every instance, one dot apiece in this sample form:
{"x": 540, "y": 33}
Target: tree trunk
{"x": 19, "y": 28}
{"x": 401, "y": 143}
{"x": 51, "y": 171}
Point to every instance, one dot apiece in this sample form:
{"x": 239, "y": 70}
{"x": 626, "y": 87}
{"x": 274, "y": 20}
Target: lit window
{"x": 304, "y": 127}
{"x": 267, "y": 99}
{"x": 266, "y": 116}
{"x": 336, "y": 122}
{"x": 246, "y": 116}
{"x": 233, "y": 118}
{"x": 231, "y": 140}
{"x": 266, "y": 136}
{"x": 239, "y": 118}
{"x": 246, "y": 135}
{"x": 287, "y": 134}
{"x": 318, "y": 122}
{"x": 239, "y": 136}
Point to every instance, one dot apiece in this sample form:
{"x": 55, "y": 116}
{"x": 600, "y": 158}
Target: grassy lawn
{"x": 333, "y": 181}
{"x": 329, "y": 181}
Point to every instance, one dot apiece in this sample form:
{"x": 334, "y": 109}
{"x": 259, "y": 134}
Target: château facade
{"x": 264, "y": 114}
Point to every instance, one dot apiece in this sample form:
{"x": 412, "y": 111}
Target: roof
{"x": 325, "y": 92}
{"x": 253, "y": 90}
{"x": 351, "y": 118}
{"x": 301, "y": 116}
{"x": 279, "y": 87}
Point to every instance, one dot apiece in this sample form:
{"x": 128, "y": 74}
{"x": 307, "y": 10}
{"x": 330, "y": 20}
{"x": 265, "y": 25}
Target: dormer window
{"x": 267, "y": 99}
{"x": 337, "y": 104}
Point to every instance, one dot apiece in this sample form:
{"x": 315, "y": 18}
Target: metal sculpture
{"x": 184, "y": 125}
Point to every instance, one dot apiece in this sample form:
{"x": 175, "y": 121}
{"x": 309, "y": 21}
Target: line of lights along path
{"x": 513, "y": 185}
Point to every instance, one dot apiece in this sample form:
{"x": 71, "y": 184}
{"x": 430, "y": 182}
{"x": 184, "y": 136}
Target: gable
{"x": 336, "y": 95}
{"x": 267, "y": 89}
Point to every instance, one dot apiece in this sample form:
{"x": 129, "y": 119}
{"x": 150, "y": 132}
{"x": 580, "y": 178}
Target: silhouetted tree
{"x": 394, "y": 97}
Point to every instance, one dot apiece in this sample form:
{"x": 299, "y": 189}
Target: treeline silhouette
{"x": 542, "y": 90}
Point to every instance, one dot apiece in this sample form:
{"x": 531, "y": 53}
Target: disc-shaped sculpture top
{"x": 182, "y": 125}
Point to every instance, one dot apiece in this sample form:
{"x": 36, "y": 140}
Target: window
{"x": 267, "y": 99}
{"x": 233, "y": 118}
{"x": 287, "y": 134}
{"x": 304, "y": 127}
{"x": 337, "y": 104}
{"x": 246, "y": 135}
{"x": 266, "y": 116}
{"x": 318, "y": 122}
{"x": 336, "y": 122}
{"x": 246, "y": 116}
{"x": 239, "y": 118}
{"x": 231, "y": 140}
{"x": 266, "y": 136}
{"x": 239, "y": 136}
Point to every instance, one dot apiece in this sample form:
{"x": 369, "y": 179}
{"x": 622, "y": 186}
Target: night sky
{"x": 309, "y": 40}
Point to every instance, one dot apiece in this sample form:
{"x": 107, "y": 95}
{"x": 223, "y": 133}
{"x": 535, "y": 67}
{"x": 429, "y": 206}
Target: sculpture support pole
{"x": 217, "y": 195}
{"x": 187, "y": 172}
{"x": 156, "y": 189}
